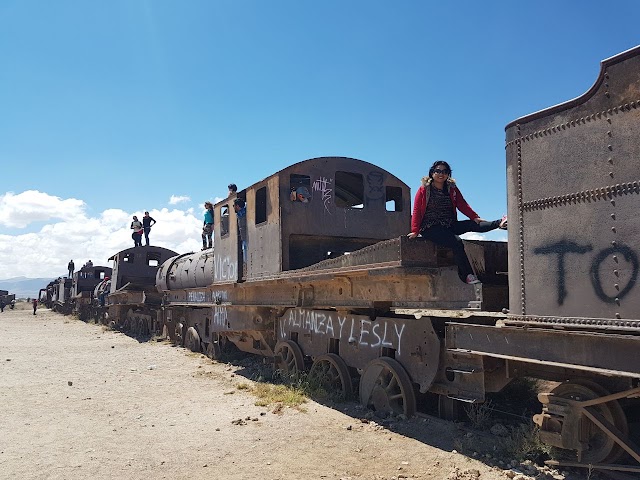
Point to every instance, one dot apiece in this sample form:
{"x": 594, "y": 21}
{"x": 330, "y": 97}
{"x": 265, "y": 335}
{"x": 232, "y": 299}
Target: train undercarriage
{"x": 399, "y": 327}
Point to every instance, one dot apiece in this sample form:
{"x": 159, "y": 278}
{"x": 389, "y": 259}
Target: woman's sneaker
{"x": 472, "y": 279}
{"x": 503, "y": 223}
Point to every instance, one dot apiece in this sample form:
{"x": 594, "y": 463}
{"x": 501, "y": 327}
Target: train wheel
{"x": 178, "y": 338}
{"x": 386, "y": 386}
{"x": 600, "y": 447}
{"x": 619, "y": 418}
{"x": 331, "y": 373}
{"x": 192, "y": 340}
{"x": 215, "y": 347}
{"x": 288, "y": 358}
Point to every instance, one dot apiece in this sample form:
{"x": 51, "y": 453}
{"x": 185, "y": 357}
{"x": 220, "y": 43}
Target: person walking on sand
{"x": 146, "y": 226}
{"x": 136, "y": 226}
{"x": 35, "y": 305}
{"x": 434, "y": 217}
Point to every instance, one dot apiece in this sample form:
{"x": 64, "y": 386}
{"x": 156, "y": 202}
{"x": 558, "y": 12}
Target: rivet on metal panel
{"x": 616, "y": 273}
{"x": 610, "y": 147}
{"x": 613, "y": 229}
{"x": 618, "y": 315}
{"x": 614, "y": 243}
{"x": 613, "y": 202}
{"x": 609, "y": 112}
{"x": 610, "y": 160}
{"x": 609, "y": 133}
{"x": 611, "y": 174}
{"x": 613, "y": 215}
{"x": 607, "y": 94}
{"x": 616, "y": 286}
{"x": 615, "y": 258}
{"x": 615, "y": 109}
{"x": 608, "y": 120}
{"x": 617, "y": 300}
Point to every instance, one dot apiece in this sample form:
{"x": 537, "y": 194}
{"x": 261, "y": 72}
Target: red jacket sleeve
{"x": 463, "y": 206}
{"x": 419, "y": 207}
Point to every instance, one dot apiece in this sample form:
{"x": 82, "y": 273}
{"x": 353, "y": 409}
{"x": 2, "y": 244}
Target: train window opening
{"x": 261, "y": 205}
{"x": 153, "y": 259}
{"x": 394, "y": 199}
{"x": 349, "y": 191}
{"x": 300, "y": 188}
{"x": 224, "y": 220}
{"x": 128, "y": 258}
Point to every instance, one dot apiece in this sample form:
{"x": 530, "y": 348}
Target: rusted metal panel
{"x": 186, "y": 271}
{"x": 138, "y": 266}
{"x": 358, "y": 339}
{"x": 599, "y": 353}
{"x": 574, "y": 191}
{"x": 86, "y": 279}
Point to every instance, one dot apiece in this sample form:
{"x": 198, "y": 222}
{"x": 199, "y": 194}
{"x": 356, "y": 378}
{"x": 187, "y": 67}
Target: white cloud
{"x": 45, "y": 253}
{"x": 20, "y": 210}
{"x": 175, "y": 199}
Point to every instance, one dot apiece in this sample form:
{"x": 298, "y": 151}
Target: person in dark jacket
{"x": 35, "y": 305}
{"x": 240, "y": 208}
{"x": 146, "y": 226}
{"x": 434, "y": 216}
{"x": 71, "y": 267}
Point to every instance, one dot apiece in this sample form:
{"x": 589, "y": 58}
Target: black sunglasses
{"x": 444, "y": 172}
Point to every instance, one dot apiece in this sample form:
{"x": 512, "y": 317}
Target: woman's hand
{"x": 412, "y": 235}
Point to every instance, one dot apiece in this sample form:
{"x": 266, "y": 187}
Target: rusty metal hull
{"x": 574, "y": 193}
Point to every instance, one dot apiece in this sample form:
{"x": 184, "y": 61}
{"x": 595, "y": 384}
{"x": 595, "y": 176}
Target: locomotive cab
{"x": 311, "y": 211}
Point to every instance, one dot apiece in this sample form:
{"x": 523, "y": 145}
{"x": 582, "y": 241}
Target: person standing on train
{"x": 146, "y": 226}
{"x": 136, "y": 226}
{"x": 207, "y": 227}
{"x": 71, "y": 267}
{"x": 434, "y": 217}
{"x": 240, "y": 207}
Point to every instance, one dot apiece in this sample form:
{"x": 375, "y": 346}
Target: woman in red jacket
{"x": 434, "y": 216}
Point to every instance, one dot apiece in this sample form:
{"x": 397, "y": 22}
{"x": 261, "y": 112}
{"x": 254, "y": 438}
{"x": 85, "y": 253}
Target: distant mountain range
{"x": 24, "y": 287}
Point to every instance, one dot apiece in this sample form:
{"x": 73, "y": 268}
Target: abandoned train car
{"x": 328, "y": 281}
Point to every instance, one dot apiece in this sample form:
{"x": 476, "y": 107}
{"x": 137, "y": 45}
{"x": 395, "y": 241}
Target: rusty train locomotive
{"x": 328, "y": 280}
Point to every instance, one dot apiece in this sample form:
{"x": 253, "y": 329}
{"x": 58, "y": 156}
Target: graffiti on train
{"x": 325, "y": 187}
{"x": 206, "y": 296}
{"x": 226, "y": 268}
{"x": 352, "y": 329}
{"x": 220, "y": 317}
{"x": 619, "y": 258}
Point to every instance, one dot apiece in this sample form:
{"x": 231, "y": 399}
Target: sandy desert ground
{"x": 79, "y": 401}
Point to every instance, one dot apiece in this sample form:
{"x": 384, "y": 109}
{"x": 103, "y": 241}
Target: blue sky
{"x": 111, "y": 108}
